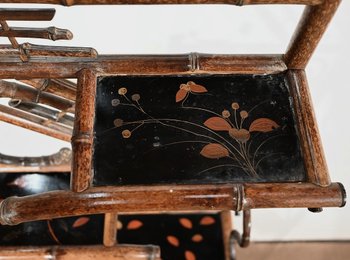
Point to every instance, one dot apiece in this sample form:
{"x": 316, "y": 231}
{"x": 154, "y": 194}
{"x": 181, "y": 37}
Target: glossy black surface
{"x": 188, "y": 129}
{"x": 85, "y": 230}
{"x": 179, "y": 236}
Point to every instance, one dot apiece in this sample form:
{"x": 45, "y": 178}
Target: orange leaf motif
{"x": 197, "y": 238}
{"x": 173, "y": 241}
{"x": 263, "y": 125}
{"x": 80, "y": 222}
{"x": 214, "y": 151}
{"x": 217, "y": 124}
{"x": 196, "y": 88}
{"x": 206, "y": 221}
{"x": 180, "y": 95}
{"x": 186, "y": 223}
{"x": 189, "y": 255}
{"x": 134, "y": 224}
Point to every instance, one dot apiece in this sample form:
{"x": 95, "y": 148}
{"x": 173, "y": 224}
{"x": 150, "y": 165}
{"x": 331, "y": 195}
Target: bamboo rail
{"x": 143, "y": 65}
{"x": 155, "y": 199}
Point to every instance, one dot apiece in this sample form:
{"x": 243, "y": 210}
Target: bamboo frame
{"x": 119, "y": 252}
{"x": 311, "y": 144}
{"x": 155, "y": 199}
{"x": 86, "y": 66}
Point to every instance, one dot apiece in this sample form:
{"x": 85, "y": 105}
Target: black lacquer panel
{"x": 84, "y": 230}
{"x": 195, "y": 129}
{"x": 180, "y": 237}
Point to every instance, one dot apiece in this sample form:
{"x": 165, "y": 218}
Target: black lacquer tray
{"x": 195, "y": 130}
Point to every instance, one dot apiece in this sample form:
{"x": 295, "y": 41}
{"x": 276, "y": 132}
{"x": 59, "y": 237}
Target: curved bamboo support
{"x": 155, "y": 199}
{"x": 119, "y": 252}
{"x": 58, "y": 162}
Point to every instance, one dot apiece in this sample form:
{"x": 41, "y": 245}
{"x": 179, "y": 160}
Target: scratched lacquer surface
{"x": 195, "y": 129}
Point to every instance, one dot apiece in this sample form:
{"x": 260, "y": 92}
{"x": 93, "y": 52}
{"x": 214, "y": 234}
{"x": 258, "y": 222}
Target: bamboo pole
{"x": 26, "y": 14}
{"x": 50, "y": 33}
{"x": 156, "y": 199}
{"x": 15, "y": 90}
{"x": 110, "y": 229}
{"x": 82, "y": 139}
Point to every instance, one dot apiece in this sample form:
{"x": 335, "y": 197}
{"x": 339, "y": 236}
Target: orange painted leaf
{"x": 80, "y": 222}
{"x": 180, "y": 95}
{"x": 134, "y": 224}
{"x": 214, "y": 151}
{"x": 197, "y": 238}
{"x": 173, "y": 241}
{"x": 263, "y": 125}
{"x": 189, "y": 255}
{"x": 197, "y": 88}
{"x": 186, "y": 223}
{"x": 217, "y": 124}
{"x": 207, "y": 221}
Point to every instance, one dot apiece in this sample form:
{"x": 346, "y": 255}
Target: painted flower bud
{"x": 235, "y": 105}
{"x": 135, "y": 97}
{"x": 118, "y": 122}
{"x": 244, "y": 114}
{"x": 126, "y": 133}
{"x": 226, "y": 114}
{"x": 115, "y": 102}
{"x": 122, "y": 91}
